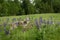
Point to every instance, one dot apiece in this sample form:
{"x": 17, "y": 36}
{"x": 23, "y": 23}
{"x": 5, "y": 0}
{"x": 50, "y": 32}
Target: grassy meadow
{"x": 43, "y": 31}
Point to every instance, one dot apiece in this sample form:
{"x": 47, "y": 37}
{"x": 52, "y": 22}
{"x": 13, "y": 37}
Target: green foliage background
{"x": 24, "y": 7}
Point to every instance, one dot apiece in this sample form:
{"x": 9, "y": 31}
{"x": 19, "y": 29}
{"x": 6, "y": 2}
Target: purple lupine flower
{"x": 37, "y": 24}
{"x": 4, "y": 24}
{"x": 7, "y": 32}
{"x": 17, "y": 23}
{"x": 41, "y": 20}
{"x": 51, "y": 20}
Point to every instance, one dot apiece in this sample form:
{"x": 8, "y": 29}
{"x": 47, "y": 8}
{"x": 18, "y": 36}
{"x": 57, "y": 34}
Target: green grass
{"x": 46, "y": 32}
{"x": 45, "y": 16}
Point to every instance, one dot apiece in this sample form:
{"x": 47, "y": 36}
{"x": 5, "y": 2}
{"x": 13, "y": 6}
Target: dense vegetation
{"x": 48, "y": 32}
{"x": 22, "y": 7}
{"x": 45, "y": 30}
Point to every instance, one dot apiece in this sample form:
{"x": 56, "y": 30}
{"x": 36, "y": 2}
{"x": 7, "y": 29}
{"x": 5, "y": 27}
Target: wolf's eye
{"x": 25, "y": 22}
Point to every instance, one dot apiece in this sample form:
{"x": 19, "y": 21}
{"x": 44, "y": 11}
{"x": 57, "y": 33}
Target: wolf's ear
{"x": 27, "y": 19}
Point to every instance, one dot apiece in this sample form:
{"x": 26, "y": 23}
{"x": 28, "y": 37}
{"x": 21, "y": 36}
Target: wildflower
{"x": 17, "y": 23}
{"x": 4, "y": 24}
{"x": 51, "y": 20}
{"x": 7, "y": 32}
{"x": 41, "y": 20}
{"x": 37, "y": 24}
